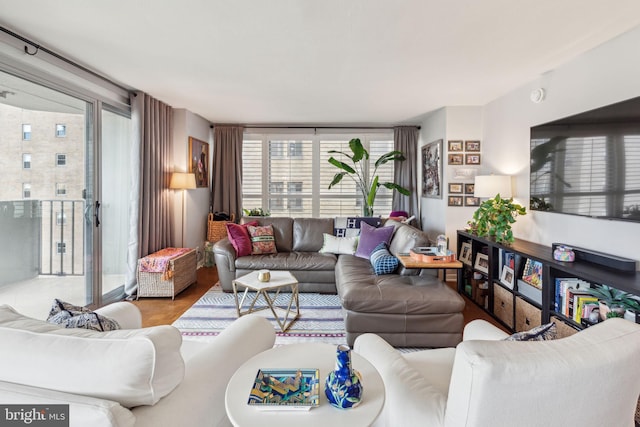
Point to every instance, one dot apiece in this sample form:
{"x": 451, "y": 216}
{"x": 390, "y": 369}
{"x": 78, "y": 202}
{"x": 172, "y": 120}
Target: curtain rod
{"x": 319, "y": 127}
{"x": 57, "y": 56}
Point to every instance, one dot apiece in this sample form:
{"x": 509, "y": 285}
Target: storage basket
{"x": 183, "y": 269}
{"x": 216, "y": 230}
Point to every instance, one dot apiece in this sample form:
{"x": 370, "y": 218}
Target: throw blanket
{"x": 158, "y": 262}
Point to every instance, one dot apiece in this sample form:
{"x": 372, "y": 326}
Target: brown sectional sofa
{"x": 407, "y": 308}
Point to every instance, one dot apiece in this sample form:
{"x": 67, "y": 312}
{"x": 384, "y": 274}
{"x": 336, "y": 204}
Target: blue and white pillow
{"x": 382, "y": 261}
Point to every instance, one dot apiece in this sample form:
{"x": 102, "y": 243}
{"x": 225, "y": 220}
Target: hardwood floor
{"x": 164, "y": 311}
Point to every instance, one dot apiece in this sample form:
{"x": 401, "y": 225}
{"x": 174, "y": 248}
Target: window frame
{"x": 58, "y": 157}
{"x": 316, "y": 193}
{"x": 64, "y": 130}
{"x": 26, "y": 164}
{"x": 26, "y": 135}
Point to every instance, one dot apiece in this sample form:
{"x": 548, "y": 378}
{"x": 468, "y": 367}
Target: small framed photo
{"x": 469, "y": 188}
{"x": 471, "y": 201}
{"x": 472, "y": 159}
{"x": 506, "y": 278}
{"x": 482, "y": 263}
{"x": 455, "y": 188}
{"x": 472, "y": 146}
{"x": 455, "y": 146}
{"x": 465, "y": 253}
{"x": 455, "y": 200}
{"x": 456, "y": 159}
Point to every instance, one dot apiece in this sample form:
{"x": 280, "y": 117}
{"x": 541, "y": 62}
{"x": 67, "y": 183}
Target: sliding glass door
{"x": 51, "y": 217}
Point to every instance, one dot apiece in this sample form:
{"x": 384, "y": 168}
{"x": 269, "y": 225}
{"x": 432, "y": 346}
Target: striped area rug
{"x": 321, "y": 318}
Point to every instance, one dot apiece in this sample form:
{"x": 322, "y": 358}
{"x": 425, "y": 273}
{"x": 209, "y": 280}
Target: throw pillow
{"x": 350, "y": 226}
{"x": 72, "y": 316}
{"x": 262, "y": 240}
{"x": 382, "y": 261}
{"x": 339, "y": 245}
{"x": 539, "y": 333}
{"x": 239, "y": 237}
{"x": 370, "y": 237}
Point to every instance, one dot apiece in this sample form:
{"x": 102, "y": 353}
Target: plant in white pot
{"x": 358, "y": 171}
{"x": 613, "y": 302}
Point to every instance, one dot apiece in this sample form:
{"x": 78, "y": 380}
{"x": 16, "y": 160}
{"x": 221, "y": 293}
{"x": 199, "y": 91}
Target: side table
{"x": 279, "y": 280}
{"x": 301, "y": 356}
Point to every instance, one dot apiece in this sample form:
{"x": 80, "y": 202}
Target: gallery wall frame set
{"x": 463, "y": 152}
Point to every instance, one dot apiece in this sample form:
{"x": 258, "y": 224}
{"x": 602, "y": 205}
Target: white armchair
{"x": 590, "y": 379}
{"x": 99, "y": 374}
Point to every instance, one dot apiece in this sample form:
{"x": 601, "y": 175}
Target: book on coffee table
{"x": 285, "y": 389}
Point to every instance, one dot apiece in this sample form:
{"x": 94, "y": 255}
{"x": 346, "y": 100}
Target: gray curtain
{"x": 227, "y": 170}
{"x": 150, "y": 219}
{"x": 405, "y": 139}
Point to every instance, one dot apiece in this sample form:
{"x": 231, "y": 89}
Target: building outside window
{"x": 61, "y": 218}
{"x": 26, "y": 132}
{"x": 61, "y": 159}
{"x": 61, "y": 247}
{"x": 26, "y": 161}
{"x": 61, "y": 190}
{"x": 61, "y": 131}
{"x": 26, "y": 190}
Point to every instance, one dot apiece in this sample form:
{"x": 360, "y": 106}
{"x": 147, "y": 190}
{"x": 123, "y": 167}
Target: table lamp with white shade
{"x": 488, "y": 186}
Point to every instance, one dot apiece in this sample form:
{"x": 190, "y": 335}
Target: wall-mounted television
{"x": 589, "y": 164}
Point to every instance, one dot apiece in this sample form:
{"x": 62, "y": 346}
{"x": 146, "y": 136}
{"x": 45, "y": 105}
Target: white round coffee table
{"x": 294, "y": 356}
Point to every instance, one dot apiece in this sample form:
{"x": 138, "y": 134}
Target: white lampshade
{"x": 182, "y": 181}
{"x": 491, "y": 185}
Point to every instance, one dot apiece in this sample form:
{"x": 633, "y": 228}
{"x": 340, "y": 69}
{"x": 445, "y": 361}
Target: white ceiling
{"x": 324, "y": 61}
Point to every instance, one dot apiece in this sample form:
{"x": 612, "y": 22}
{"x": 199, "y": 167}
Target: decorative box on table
{"x": 167, "y": 272}
{"x": 431, "y": 254}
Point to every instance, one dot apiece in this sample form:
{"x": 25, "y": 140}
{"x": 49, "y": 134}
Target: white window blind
{"x": 290, "y": 176}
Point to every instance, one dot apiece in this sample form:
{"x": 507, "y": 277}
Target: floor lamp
{"x": 183, "y": 181}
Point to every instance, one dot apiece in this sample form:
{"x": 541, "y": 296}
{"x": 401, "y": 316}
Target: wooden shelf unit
{"x": 518, "y": 311}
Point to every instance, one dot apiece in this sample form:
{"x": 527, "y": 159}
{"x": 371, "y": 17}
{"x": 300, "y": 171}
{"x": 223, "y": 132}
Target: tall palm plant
{"x": 367, "y": 183}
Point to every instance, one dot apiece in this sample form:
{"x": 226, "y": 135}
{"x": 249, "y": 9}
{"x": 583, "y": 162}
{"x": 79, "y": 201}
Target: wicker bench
{"x": 179, "y": 273}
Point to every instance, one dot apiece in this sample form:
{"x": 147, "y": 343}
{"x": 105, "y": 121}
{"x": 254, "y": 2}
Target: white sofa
{"x": 131, "y": 377}
{"x": 589, "y": 379}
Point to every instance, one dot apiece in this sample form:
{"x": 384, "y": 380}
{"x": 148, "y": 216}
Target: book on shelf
{"x": 285, "y": 389}
{"x": 565, "y": 290}
{"x": 532, "y": 273}
{"x": 580, "y": 303}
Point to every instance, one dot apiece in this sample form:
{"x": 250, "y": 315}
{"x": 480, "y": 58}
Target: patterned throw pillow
{"x": 350, "y": 226}
{"x": 539, "y": 333}
{"x": 339, "y": 245}
{"x": 370, "y": 237}
{"x": 239, "y": 237}
{"x": 72, "y": 316}
{"x": 382, "y": 261}
{"x": 262, "y": 240}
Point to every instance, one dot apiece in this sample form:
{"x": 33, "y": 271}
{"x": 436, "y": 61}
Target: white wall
{"x": 186, "y": 124}
{"x": 605, "y": 75}
{"x": 433, "y": 211}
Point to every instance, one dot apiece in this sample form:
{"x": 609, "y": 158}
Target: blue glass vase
{"x": 343, "y": 386}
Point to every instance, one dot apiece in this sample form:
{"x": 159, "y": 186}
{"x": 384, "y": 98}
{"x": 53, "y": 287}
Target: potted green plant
{"x": 613, "y": 302}
{"x": 494, "y": 217}
{"x": 367, "y": 183}
{"x": 255, "y": 212}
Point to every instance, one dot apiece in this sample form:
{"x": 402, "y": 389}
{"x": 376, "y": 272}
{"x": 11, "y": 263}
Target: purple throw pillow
{"x": 370, "y": 237}
{"x": 239, "y": 237}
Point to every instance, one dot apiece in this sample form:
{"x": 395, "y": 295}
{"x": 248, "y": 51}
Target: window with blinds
{"x": 290, "y": 176}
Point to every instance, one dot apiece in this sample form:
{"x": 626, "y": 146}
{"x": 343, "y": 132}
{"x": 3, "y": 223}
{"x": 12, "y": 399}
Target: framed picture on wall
{"x": 456, "y": 159}
{"x": 455, "y": 200}
{"x": 432, "y": 170}
{"x": 199, "y": 161}
{"x": 472, "y": 159}
{"x": 471, "y": 201}
{"x": 455, "y": 187}
{"x": 469, "y": 188}
{"x": 455, "y": 145}
{"x": 472, "y": 146}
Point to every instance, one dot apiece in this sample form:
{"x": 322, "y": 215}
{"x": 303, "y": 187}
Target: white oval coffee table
{"x": 294, "y": 356}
